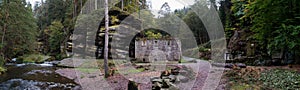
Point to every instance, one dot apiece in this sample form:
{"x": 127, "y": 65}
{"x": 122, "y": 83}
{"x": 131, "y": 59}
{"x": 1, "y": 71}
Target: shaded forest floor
{"x": 262, "y": 77}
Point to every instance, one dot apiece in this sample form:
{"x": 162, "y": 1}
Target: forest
{"x": 261, "y": 50}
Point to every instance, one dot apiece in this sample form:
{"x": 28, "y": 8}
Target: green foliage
{"x": 255, "y": 78}
{"x": 60, "y": 16}
{"x": 280, "y": 79}
{"x": 181, "y": 12}
{"x": 2, "y": 70}
{"x": 224, "y": 11}
{"x": 50, "y": 11}
{"x": 56, "y": 10}
{"x": 132, "y": 71}
{"x": 238, "y": 20}
{"x": 57, "y": 36}
{"x": 203, "y": 49}
{"x": 132, "y": 6}
{"x": 151, "y": 35}
{"x": 275, "y": 23}
{"x": 287, "y": 36}
{"x": 227, "y": 17}
{"x": 18, "y": 29}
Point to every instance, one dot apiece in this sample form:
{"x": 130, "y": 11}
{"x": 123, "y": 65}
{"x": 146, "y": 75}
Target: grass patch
{"x": 88, "y": 70}
{"x": 112, "y": 66}
{"x": 183, "y": 61}
{"x": 33, "y": 58}
{"x": 132, "y": 71}
{"x": 111, "y": 63}
{"x": 244, "y": 87}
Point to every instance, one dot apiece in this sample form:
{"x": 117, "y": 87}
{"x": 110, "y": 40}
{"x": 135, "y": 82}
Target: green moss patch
{"x": 33, "y": 58}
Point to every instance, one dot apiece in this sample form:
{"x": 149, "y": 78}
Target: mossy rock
{"x": 32, "y": 58}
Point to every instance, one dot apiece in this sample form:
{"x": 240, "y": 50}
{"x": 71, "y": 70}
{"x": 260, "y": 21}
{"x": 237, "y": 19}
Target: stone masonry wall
{"x": 158, "y": 50}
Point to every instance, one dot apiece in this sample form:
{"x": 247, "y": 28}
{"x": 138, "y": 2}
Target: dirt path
{"x": 94, "y": 80}
{"x": 87, "y": 80}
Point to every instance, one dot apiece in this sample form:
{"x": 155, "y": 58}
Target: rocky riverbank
{"x": 32, "y": 76}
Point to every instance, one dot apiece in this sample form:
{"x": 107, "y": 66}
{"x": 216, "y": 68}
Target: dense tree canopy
{"x": 275, "y": 22}
{"x": 272, "y": 24}
{"x": 18, "y": 29}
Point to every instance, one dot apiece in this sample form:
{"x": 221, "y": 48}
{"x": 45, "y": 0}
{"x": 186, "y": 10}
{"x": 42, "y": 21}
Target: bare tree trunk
{"x": 122, "y": 7}
{"x": 96, "y": 4}
{"x": 81, "y": 6}
{"x": 2, "y": 41}
{"x": 75, "y": 9}
{"x": 106, "y": 40}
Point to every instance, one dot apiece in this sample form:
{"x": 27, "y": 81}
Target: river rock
{"x": 182, "y": 78}
{"x": 68, "y": 73}
{"x": 20, "y": 84}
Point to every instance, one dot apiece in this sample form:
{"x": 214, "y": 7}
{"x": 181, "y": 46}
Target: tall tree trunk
{"x": 2, "y": 42}
{"x": 106, "y": 40}
{"x": 4, "y": 31}
{"x": 80, "y": 6}
{"x": 96, "y": 4}
{"x": 75, "y": 10}
{"x": 122, "y": 7}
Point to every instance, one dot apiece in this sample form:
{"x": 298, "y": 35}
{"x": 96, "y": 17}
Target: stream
{"x": 35, "y": 77}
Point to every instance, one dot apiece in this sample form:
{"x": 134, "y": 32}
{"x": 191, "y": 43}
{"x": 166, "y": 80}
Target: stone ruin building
{"x": 158, "y": 50}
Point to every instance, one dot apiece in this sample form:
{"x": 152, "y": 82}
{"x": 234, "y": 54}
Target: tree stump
{"x": 132, "y": 85}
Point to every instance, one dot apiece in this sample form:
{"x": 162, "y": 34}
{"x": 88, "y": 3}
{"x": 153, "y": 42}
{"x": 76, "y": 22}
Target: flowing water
{"x": 35, "y": 77}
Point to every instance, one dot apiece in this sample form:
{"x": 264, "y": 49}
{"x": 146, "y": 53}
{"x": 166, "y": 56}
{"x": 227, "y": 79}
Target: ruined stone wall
{"x": 158, "y": 50}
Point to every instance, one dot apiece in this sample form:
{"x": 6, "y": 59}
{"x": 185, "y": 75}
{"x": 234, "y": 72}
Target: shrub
{"x": 280, "y": 79}
{"x": 2, "y": 69}
{"x": 270, "y": 79}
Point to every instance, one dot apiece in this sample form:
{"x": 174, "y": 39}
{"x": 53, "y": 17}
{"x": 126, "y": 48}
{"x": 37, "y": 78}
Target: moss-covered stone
{"x": 32, "y": 58}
